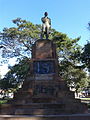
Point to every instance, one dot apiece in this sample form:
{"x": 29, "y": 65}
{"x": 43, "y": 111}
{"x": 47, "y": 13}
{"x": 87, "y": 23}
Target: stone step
{"x": 39, "y": 111}
{"x": 42, "y": 105}
{"x": 34, "y": 108}
{"x": 46, "y": 111}
{"x": 46, "y": 117}
{"x": 36, "y": 105}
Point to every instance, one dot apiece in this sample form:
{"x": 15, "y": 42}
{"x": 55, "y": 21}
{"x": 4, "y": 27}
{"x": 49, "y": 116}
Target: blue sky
{"x": 68, "y": 16}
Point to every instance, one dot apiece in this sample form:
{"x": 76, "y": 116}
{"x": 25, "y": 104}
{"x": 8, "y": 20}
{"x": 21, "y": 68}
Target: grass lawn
{"x": 85, "y": 98}
{"x": 3, "y": 101}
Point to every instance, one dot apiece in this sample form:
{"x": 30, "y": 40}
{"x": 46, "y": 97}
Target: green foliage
{"x": 3, "y": 101}
{"x": 86, "y": 55}
{"x": 17, "y": 41}
{"x": 22, "y": 69}
{"x": 14, "y": 78}
{"x": 67, "y": 48}
{"x": 74, "y": 76}
{"x": 8, "y": 82}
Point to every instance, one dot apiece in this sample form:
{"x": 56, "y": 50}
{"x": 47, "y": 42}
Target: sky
{"x": 67, "y": 16}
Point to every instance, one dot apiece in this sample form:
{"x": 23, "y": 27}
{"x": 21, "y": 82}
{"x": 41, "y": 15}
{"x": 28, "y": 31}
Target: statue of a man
{"x": 46, "y": 25}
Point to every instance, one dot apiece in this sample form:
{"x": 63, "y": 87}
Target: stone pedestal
{"x": 44, "y": 92}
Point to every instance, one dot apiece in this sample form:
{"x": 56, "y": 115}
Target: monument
{"x": 45, "y": 26}
{"x": 43, "y": 92}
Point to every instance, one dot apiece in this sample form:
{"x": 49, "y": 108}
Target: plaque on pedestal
{"x": 44, "y": 67}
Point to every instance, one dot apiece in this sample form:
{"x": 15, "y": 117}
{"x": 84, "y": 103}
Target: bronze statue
{"x": 45, "y": 26}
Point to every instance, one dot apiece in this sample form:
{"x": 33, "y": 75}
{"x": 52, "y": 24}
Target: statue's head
{"x": 46, "y": 14}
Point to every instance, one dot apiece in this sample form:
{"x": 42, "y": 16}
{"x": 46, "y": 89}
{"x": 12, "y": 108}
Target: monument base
{"x": 43, "y": 92}
{"x": 24, "y": 103}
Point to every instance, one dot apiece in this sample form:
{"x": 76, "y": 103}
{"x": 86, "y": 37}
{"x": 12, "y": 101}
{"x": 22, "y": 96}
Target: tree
{"x": 16, "y": 75}
{"x": 86, "y": 55}
{"x": 75, "y": 77}
{"x": 17, "y": 41}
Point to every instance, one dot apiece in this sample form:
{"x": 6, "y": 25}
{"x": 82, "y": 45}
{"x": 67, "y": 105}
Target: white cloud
{"x": 12, "y": 61}
{"x": 3, "y": 69}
